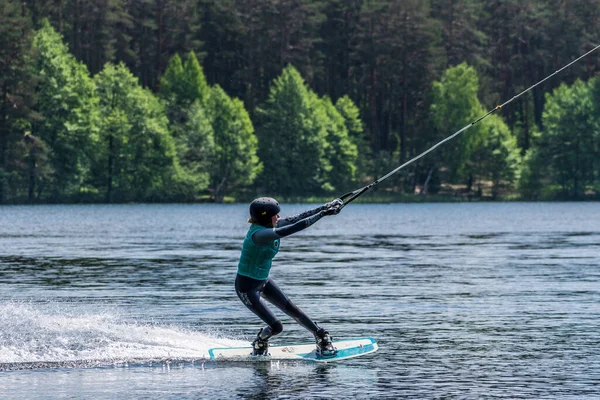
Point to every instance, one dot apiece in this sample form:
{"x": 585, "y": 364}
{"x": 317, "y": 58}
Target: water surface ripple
{"x": 498, "y": 300}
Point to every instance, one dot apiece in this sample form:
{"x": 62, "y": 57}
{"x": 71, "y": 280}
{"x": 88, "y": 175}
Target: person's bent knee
{"x": 276, "y": 328}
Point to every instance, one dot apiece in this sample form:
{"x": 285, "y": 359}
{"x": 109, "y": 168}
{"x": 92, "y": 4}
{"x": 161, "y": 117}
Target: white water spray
{"x": 56, "y": 334}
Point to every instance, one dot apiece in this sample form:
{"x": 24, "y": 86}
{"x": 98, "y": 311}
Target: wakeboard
{"x": 347, "y": 348}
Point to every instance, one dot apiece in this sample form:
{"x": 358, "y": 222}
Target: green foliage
{"x": 340, "y": 151}
{"x": 235, "y": 164}
{"x": 351, "y": 114}
{"x": 454, "y": 105}
{"x": 487, "y": 151}
{"x": 32, "y": 166}
{"x": 195, "y": 148}
{"x": 382, "y": 54}
{"x": 194, "y": 85}
{"x": 136, "y": 157}
{"x": 181, "y": 86}
{"x": 563, "y": 162}
{"x": 172, "y": 82}
{"x": 356, "y": 133}
{"x": 185, "y": 93}
{"x": 534, "y": 169}
{"x": 67, "y": 110}
{"x": 292, "y": 138}
{"x": 497, "y": 158}
{"x": 571, "y": 138}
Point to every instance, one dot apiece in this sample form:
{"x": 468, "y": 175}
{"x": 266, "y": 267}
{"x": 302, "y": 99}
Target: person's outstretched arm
{"x": 309, "y": 213}
{"x": 265, "y": 236}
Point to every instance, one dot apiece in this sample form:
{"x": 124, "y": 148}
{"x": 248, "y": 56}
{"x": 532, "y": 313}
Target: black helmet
{"x": 262, "y": 209}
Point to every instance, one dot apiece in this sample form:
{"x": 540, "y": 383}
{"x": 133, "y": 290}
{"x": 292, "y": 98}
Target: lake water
{"x": 470, "y": 300}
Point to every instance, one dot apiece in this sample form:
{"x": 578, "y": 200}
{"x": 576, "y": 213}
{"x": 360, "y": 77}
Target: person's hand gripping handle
{"x": 333, "y": 207}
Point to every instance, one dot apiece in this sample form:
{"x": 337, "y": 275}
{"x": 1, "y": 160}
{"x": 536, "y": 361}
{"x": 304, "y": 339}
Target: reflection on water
{"x": 466, "y": 300}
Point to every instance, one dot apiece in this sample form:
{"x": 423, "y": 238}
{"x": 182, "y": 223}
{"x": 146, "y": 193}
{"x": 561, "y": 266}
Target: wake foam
{"x": 34, "y": 335}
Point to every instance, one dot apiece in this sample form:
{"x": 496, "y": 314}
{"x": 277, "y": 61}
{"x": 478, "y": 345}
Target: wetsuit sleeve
{"x": 265, "y": 236}
{"x": 295, "y": 218}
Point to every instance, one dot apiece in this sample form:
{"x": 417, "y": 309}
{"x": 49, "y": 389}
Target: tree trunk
{"x": 3, "y": 140}
{"x": 77, "y": 29}
{"x": 160, "y": 39}
{"x": 375, "y": 135}
{"x": 426, "y": 183}
{"x": 60, "y": 6}
{"x": 470, "y": 182}
{"x": 250, "y": 86}
{"x": 31, "y": 164}
{"x": 404, "y": 125}
{"x": 109, "y": 182}
{"x": 219, "y": 189}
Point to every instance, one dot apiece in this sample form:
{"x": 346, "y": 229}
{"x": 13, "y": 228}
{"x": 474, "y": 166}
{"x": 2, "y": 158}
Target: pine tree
{"x": 183, "y": 84}
{"x": 174, "y": 26}
{"x": 16, "y": 94}
{"x": 137, "y": 160}
{"x": 292, "y": 139}
{"x": 341, "y": 152}
{"x": 356, "y": 133}
{"x": 67, "y": 112}
{"x": 97, "y": 31}
{"x": 186, "y": 94}
{"x": 393, "y": 67}
{"x": 517, "y": 32}
{"x": 454, "y": 105}
{"x": 144, "y": 41}
{"x": 570, "y": 138}
{"x": 236, "y": 164}
{"x": 256, "y": 55}
{"x": 31, "y": 157}
{"x": 196, "y": 148}
{"x": 497, "y": 157}
{"x": 171, "y": 89}
{"x": 195, "y": 86}
{"x": 222, "y": 33}
{"x": 461, "y": 38}
{"x": 338, "y": 33}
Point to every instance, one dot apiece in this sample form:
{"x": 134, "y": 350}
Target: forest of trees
{"x": 207, "y": 100}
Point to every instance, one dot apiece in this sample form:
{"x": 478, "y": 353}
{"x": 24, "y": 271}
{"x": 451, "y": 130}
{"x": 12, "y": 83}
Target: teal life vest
{"x": 255, "y": 260}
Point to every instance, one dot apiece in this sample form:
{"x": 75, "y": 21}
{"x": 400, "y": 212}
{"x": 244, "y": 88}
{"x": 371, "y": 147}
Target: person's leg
{"x": 249, "y": 291}
{"x": 275, "y": 295}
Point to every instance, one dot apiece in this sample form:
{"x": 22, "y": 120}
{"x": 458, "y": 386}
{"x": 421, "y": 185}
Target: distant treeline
{"x": 120, "y": 101}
